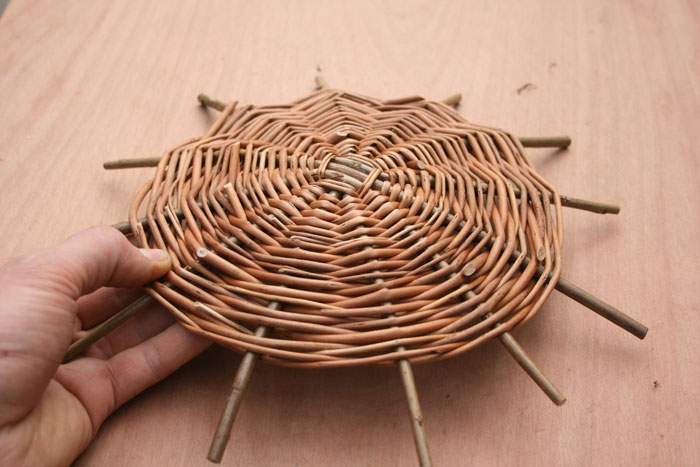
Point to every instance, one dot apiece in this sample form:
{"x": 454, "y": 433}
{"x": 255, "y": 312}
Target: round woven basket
{"x": 343, "y": 230}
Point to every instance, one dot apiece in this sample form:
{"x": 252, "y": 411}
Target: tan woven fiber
{"x": 356, "y": 231}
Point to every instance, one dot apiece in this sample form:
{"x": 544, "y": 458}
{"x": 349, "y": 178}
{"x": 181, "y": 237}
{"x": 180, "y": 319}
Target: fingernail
{"x": 155, "y": 254}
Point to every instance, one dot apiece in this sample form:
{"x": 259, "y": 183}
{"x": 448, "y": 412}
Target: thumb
{"x": 98, "y": 257}
{"x": 39, "y": 305}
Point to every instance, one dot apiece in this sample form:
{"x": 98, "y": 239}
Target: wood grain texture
{"x": 84, "y": 82}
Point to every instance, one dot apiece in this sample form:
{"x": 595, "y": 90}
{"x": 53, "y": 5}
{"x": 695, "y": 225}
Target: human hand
{"x": 50, "y": 412}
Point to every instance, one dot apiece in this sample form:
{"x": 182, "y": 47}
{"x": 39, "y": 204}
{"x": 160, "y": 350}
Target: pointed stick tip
{"x": 562, "y": 142}
{"x": 321, "y": 82}
{"x": 453, "y": 100}
{"x": 207, "y": 101}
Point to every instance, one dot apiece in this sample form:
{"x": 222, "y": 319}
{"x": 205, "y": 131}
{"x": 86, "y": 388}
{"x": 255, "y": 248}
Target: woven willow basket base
{"x": 343, "y": 230}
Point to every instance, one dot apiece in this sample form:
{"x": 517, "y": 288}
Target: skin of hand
{"x": 49, "y": 412}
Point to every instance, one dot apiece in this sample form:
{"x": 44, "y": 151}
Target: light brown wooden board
{"x": 85, "y": 82}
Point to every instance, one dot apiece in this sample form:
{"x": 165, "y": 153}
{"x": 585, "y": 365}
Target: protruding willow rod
{"x": 142, "y": 162}
{"x": 530, "y": 368}
{"x": 131, "y": 163}
{"x": 605, "y": 310}
{"x": 414, "y": 410}
{"x": 240, "y": 383}
{"x": 409, "y": 386}
{"x": 567, "y": 201}
{"x": 453, "y": 100}
{"x": 545, "y": 141}
{"x": 586, "y": 299}
{"x": 526, "y": 363}
{"x": 520, "y": 356}
{"x": 153, "y": 161}
{"x": 321, "y": 82}
{"x": 590, "y": 206}
{"x": 211, "y": 102}
{"x": 96, "y": 333}
{"x": 125, "y": 227}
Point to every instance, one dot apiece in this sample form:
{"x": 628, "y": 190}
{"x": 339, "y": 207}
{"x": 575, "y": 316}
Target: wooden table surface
{"x": 84, "y": 82}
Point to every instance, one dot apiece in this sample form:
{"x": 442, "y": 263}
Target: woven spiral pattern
{"x": 343, "y": 230}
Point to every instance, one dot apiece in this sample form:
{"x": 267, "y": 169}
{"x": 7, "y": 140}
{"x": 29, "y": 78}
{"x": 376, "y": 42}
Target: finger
{"x": 113, "y": 382}
{"x": 103, "y": 303}
{"x": 98, "y": 257}
{"x": 148, "y": 323}
{"x": 38, "y": 306}
{"x": 137, "y": 368}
